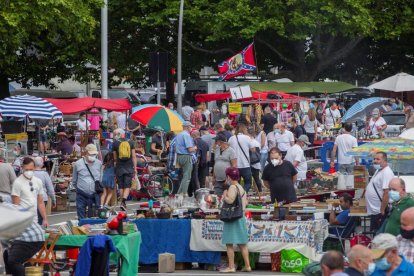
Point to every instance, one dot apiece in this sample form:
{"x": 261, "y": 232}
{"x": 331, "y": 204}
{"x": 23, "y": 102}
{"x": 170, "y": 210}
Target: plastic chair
{"x": 347, "y": 230}
{"x": 46, "y": 255}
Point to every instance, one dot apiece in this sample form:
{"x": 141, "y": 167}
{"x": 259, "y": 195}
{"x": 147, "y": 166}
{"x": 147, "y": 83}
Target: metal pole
{"x": 104, "y": 54}
{"x": 158, "y": 79}
{"x": 179, "y": 51}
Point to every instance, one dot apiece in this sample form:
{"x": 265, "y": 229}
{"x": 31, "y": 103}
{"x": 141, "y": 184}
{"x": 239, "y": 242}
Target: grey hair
{"x": 38, "y": 161}
{"x": 119, "y": 131}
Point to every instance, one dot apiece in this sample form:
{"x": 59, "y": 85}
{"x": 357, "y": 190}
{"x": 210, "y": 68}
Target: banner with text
{"x": 306, "y": 237}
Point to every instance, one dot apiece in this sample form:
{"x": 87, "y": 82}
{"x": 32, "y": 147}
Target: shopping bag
{"x": 293, "y": 261}
{"x": 13, "y": 221}
{"x": 135, "y": 184}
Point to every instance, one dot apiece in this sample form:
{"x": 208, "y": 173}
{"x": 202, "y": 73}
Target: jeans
{"x": 19, "y": 253}
{"x": 263, "y": 159}
{"x": 257, "y": 180}
{"x": 185, "y": 163}
{"x": 246, "y": 173}
{"x": 84, "y": 201}
{"x": 310, "y": 153}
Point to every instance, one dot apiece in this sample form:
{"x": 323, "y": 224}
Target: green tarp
{"x": 300, "y": 87}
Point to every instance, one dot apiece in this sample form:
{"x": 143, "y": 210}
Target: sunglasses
{"x": 31, "y": 186}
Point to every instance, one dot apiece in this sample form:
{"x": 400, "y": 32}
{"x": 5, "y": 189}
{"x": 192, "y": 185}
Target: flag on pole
{"x": 238, "y": 64}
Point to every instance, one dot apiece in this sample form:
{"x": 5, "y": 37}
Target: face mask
{"x": 28, "y": 174}
{"x": 117, "y": 137}
{"x": 82, "y": 119}
{"x": 383, "y": 264}
{"x": 275, "y": 162}
{"x": 394, "y": 196}
{"x": 277, "y": 131}
{"x": 371, "y": 269}
{"x": 91, "y": 158}
{"x": 377, "y": 166}
{"x": 289, "y": 125}
{"x": 16, "y": 153}
{"x": 407, "y": 234}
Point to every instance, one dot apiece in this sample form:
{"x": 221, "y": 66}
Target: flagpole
{"x": 257, "y": 67}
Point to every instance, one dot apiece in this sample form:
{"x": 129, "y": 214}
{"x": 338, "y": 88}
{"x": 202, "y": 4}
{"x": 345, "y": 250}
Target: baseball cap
{"x": 305, "y": 139}
{"x": 187, "y": 124}
{"x": 382, "y": 243}
{"x": 91, "y": 149}
{"x": 203, "y": 128}
{"x": 220, "y": 137}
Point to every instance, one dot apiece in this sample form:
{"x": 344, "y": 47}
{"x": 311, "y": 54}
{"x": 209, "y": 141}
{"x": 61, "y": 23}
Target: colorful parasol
{"x": 158, "y": 117}
{"x": 395, "y": 148}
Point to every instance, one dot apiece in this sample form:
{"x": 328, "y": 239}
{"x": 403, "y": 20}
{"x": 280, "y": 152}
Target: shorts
{"x": 124, "y": 181}
{"x": 43, "y": 137}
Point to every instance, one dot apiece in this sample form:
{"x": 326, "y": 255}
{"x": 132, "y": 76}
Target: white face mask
{"x": 16, "y": 153}
{"x": 275, "y": 162}
{"x": 91, "y": 158}
{"x": 28, "y": 174}
{"x": 377, "y": 166}
{"x": 277, "y": 131}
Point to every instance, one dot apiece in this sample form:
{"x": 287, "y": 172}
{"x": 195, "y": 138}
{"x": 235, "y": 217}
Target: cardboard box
{"x": 166, "y": 263}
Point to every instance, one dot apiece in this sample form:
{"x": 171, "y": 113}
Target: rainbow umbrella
{"x": 158, "y": 117}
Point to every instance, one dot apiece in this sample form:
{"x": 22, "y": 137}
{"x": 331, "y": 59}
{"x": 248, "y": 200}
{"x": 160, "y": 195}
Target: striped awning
{"x": 22, "y": 106}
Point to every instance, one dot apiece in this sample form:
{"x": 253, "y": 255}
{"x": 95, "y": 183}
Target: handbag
{"x": 233, "y": 211}
{"x": 254, "y": 155}
{"x": 98, "y": 185}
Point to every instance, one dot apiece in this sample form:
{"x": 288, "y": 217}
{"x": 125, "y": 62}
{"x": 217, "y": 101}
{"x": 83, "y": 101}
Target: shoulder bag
{"x": 233, "y": 211}
{"x": 98, "y": 184}
{"x": 254, "y": 155}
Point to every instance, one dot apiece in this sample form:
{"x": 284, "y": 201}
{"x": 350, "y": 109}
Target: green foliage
{"x": 42, "y": 39}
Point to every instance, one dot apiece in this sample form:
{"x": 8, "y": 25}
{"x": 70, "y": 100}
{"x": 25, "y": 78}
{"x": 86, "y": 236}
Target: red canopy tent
{"x": 71, "y": 106}
{"x": 255, "y": 96}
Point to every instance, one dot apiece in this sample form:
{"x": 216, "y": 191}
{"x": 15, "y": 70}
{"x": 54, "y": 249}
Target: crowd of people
{"x": 229, "y": 157}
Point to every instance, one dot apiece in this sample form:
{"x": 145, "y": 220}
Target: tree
{"x": 43, "y": 39}
{"x": 307, "y": 40}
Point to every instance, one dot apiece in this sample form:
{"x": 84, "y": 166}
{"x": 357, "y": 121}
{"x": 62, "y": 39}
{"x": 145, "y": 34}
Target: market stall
{"x": 127, "y": 247}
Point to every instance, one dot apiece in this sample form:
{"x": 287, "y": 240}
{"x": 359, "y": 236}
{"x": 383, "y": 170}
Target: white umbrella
{"x": 400, "y": 82}
{"x": 408, "y": 134}
{"x": 13, "y": 221}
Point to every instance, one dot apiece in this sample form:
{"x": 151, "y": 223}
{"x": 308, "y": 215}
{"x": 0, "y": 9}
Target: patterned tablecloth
{"x": 306, "y": 237}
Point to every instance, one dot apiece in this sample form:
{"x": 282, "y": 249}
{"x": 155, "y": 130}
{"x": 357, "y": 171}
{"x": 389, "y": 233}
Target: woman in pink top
{"x": 94, "y": 118}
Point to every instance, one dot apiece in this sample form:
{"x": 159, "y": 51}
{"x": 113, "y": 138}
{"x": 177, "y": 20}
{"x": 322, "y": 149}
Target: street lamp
{"x": 179, "y": 50}
{"x": 104, "y": 53}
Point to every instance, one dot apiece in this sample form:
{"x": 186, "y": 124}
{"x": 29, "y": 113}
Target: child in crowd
{"x": 108, "y": 179}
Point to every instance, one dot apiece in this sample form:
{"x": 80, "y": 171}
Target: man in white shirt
{"x": 331, "y": 116}
{"x": 284, "y": 140}
{"x": 376, "y": 194}
{"x": 343, "y": 144}
{"x": 241, "y": 143}
{"x": 27, "y": 193}
{"x": 296, "y": 156}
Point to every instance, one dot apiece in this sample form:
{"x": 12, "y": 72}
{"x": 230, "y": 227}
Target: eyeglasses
{"x": 31, "y": 186}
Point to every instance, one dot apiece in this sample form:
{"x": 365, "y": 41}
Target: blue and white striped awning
{"x": 22, "y": 106}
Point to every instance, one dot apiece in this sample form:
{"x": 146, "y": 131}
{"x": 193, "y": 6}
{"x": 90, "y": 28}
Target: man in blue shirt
{"x": 184, "y": 147}
{"x": 345, "y": 201}
{"x": 384, "y": 248}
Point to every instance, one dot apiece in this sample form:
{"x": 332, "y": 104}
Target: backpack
{"x": 124, "y": 151}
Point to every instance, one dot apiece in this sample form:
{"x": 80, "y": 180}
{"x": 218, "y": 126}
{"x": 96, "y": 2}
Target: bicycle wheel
{"x": 155, "y": 185}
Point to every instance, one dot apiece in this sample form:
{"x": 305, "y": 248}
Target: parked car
{"x": 395, "y": 121}
{"x": 149, "y": 95}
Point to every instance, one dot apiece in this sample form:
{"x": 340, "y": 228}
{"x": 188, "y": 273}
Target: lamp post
{"x": 104, "y": 53}
{"x": 179, "y": 51}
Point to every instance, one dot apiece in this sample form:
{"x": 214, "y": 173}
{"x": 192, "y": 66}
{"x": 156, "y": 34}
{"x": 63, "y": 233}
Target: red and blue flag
{"x": 238, "y": 64}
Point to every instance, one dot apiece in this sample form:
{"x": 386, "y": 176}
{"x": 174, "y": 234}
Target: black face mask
{"x": 407, "y": 234}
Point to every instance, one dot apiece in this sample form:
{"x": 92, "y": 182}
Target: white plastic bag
{"x": 13, "y": 221}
